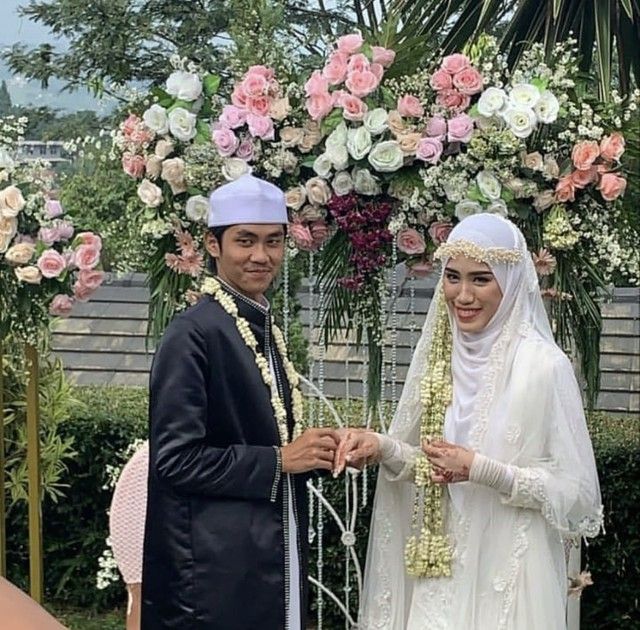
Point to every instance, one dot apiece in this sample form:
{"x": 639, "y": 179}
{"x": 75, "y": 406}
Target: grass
{"x": 84, "y": 620}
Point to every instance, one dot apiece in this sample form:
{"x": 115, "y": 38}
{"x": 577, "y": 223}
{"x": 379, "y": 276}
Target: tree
{"x": 117, "y": 41}
{"x": 6, "y": 105}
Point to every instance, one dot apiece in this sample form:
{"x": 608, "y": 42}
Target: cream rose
{"x": 149, "y": 193}
{"x": 233, "y": 168}
{"x": 153, "y": 166}
{"x": 20, "y": 254}
{"x": 533, "y": 161}
{"x": 8, "y": 229}
{"x": 550, "y": 167}
{"x": 173, "y": 174}
{"x": 295, "y": 197}
{"x": 30, "y": 274}
{"x": 164, "y": 148}
{"x": 318, "y": 191}
{"x": 396, "y": 123}
{"x": 365, "y": 183}
{"x": 11, "y": 201}
{"x": 342, "y": 183}
{"x": 291, "y": 136}
{"x": 280, "y": 108}
{"x": 409, "y": 142}
{"x": 544, "y": 200}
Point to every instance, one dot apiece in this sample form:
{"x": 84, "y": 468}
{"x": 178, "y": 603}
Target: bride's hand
{"x": 451, "y": 463}
{"x": 357, "y": 448}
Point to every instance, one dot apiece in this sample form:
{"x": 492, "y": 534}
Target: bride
{"x": 488, "y": 467}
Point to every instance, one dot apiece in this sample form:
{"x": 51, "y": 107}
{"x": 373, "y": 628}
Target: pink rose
{"x": 65, "y": 230}
{"x": 384, "y": 56}
{"x": 410, "y": 242}
{"x": 53, "y": 208}
{"x": 350, "y": 44}
{"x": 353, "y": 108}
{"x": 130, "y": 125}
{"x": 565, "y": 189}
{"x": 377, "y": 70}
{"x": 468, "y": 81}
{"x": 584, "y": 154}
{"x": 239, "y": 97}
{"x": 441, "y": 80}
{"x": 254, "y": 85}
{"x": 429, "y": 150}
{"x": 142, "y": 135}
{"x": 233, "y": 117}
{"x": 319, "y": 232}
{"x": 87, "y": 257}
{"x": 245, "y": 150}
{"x": 61, "y": 305}
{"x": 91, "y": 279}
{"x": 49, "y": 235}
{"x": 361, "y": 83}
{"x": 226, "y": 142}
{"x": 612, "y": 147}
{"x": 133, "y": 165}
{"x": 612, "y": 186}
{"x": 316, "y": 84}
{"x": 460, "y": 128}
{"x": 410, "y": 106}
{"x": 259, "y": 105}
{"x": 335, "y": 71}
{"x": 260, "y": 127}
{"x": 319, "y": 105}
{"x": 263, "y": 71}
{"x": 89, "y": 238}
{"x": 456, "y": 62}
{"x": 82, "y": 293}
{"x": 436, "y": 127}
{"x": 452, "y": 99}
{"x": 51, "y": 263}
{"x": 301, "y": 236}
{"x": 581, "y": 179}
{"x": 358, "y": 63}
{"x": 439, "y": 231}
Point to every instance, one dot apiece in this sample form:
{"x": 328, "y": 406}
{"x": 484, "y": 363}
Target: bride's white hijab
{"x": 500, "y": 390}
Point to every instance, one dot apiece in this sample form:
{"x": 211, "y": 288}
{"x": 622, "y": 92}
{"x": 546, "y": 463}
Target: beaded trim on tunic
{"x": 478, "y": 253}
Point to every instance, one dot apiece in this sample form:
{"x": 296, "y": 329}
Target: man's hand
{"x": 314, "y": 449}
{"x": 357, "y": 448}
{"x": 451, "y": 463}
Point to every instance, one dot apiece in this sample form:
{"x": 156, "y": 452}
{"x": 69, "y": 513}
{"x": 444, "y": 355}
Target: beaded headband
{"x": 478, "y": 253}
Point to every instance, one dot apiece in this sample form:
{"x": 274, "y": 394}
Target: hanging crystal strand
{"x": 347, "y": 555}
{"x": 310, "y": 371}
{"x": 412, "y": 313}
{"x": 320, "y": 562}
{"x": 285, "y": 305}
{"x": 366, "y": 417}
{"x": 394, "y": 328}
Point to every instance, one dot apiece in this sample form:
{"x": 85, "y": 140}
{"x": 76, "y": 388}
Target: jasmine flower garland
{"x": 428, "y": 550}
{"x": 212, "y": 287}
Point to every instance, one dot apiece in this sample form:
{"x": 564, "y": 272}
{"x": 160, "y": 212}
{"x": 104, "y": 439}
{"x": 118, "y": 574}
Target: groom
{"x": 226, "y": 539}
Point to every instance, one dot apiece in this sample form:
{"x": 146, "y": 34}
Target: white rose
{"x": 30, "y": 274}
{"x": 182, "y": 124}
{"x": 6, "y": 161}
{"x": 498, "y": 206}
{"x": 358, "y": 143}
{"x": 489, "y": 185}
{"x": 149, "y": 193}
{"x": 491, "y": 101}
{"x": 8, "y": 229}
{"x": 365, "y": 183}
{"x": 232, "y": 168}
{"x": 20, "y": 254}
{"x": 342, "y": 183}
{"x": 186, "y": 86}
{"x": 524, "y": 94}
{"x": 467, "y": 208}
{"x": 376, "y": 121}
{"x": 164, "y": 148}
{"x": 322, "y": 165}
{"x": 156, "y": 119}
{"x": 339, "y": 157}
{"x": 521, "y": 120}
{"x": 386, "y": 157}
{"x": 318, "y": 191}
{"x": 547, "y": 108}
{"x": 338, "y": 137}
{"x": 295, "y": 197}
{"x": 197, "y": 208}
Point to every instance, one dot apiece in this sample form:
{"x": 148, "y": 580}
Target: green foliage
{"x": 612, "y": 602}
{"x": 6, "y": 106}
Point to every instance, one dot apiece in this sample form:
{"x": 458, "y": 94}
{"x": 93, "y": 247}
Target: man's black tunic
{"x": 216, "y": 546}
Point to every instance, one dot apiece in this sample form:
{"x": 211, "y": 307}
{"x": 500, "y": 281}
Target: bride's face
{"x": 472, "y": 293}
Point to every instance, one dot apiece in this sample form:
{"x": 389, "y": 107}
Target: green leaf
{"x": 210, "y": 84}
{"x": 332, "y": 121}
{"x": 367, "y": 51}
{"x": 474, "y": 193}
{"x": 541, "y": 84}
{"x": 180, "y": 103}
{"x": 507, "y": 194}
{"x": 473, "y": 112}
{"x": 309, "y": 161}
{"x": 203, "y": 132}
{"x": 388, "y": 98}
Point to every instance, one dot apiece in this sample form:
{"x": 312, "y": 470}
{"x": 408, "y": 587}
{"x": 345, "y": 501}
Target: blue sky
{"x": 17, "y": 29}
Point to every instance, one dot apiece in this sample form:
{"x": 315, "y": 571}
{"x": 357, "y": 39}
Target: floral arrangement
{"x": 45, "y": 265}
{"x": 378, "y": 168}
